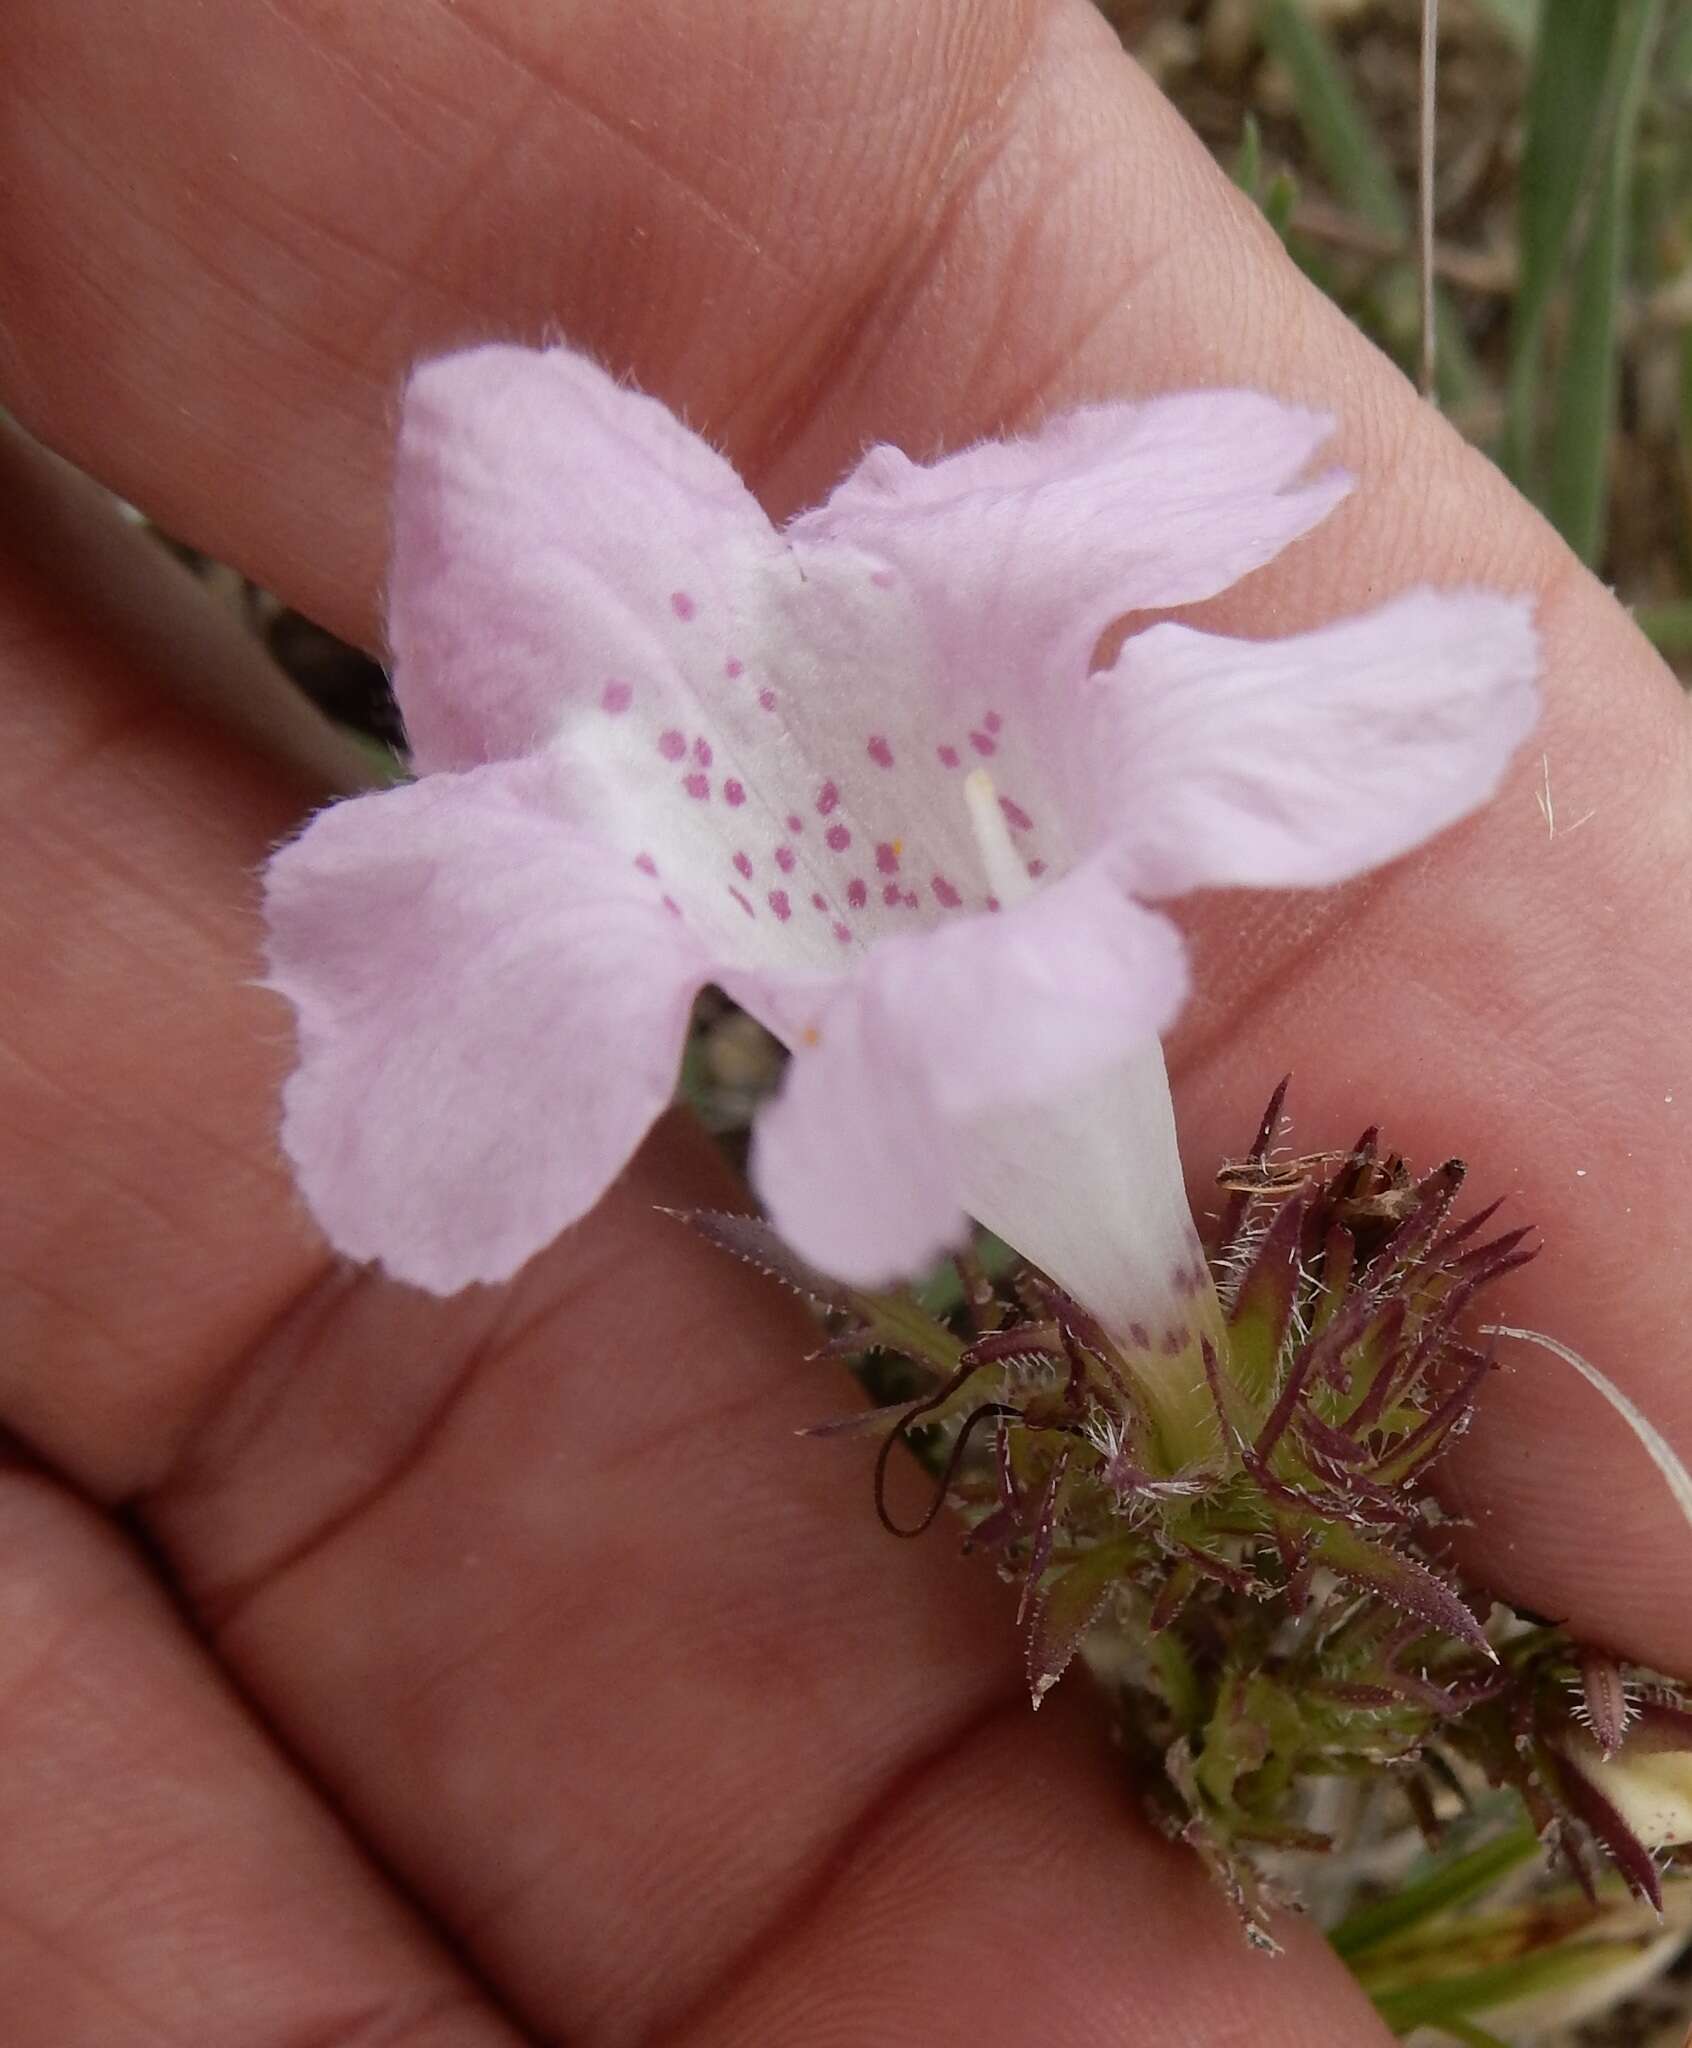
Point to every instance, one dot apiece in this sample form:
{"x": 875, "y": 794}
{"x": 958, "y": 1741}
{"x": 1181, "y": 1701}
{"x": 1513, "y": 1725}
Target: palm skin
{"x": 524, "y": 1678}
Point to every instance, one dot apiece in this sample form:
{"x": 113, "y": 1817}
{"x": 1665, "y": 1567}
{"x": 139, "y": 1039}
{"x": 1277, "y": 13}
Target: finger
{"x": 867, "y": 394}
{"x": 163, "y": 1876}
{"x": 517, "y": 1706}
{"x": 555, "y": 1555}
{"x": 1191, "y": 326}
{"x": 146, "y": 1229}
{"x": 1107, "y": 1921}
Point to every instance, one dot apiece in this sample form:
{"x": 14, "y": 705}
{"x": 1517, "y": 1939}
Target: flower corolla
{"x": 860, "y": 771}
{"x": 1649, "y": 1786}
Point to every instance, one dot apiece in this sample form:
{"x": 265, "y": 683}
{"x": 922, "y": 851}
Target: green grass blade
{"x": 386, "y": 764}
{"x": 1587, "y": 380}
{"x": 1519, "y": 19}
{"x": 1248, "y": 163}
{"x": 1685, "y": 443}
{"x": 1453, "y": 1880}
{"x": 1667, "y": 626}
{"x": 1279, "y": 199}
{"x": 1565, "y": 104}
{"x": 1341, "y": 139}
{"x": 1675, "y": 67}
{"x": 1440, "y": 2000}
{"x": 1469, "y": 2035}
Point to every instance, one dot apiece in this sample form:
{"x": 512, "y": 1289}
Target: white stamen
{"x": 1006, "y": 876}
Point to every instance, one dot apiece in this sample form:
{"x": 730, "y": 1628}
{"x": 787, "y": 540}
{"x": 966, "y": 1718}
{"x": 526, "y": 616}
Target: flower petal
{"x": 901, "y": 1074}
{"x": 1088, "y": 1187}
{"x": 556, "y": 536}
{"x": 1299, "y": 762}
{"x": 575, "y": 572}
{"x": 795, "y": 806}
{"x": 490, "y": 1012}
{"x": 1024, "y": 551}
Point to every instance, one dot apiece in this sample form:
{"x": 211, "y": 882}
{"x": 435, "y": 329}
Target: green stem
{"x": 1578, "y": 497}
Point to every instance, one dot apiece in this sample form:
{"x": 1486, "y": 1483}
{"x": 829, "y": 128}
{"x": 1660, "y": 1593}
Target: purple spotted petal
{"x": 794, "y": 806}
{"x": 898, "y": 1079}
{"x": 490, "y": 1017}
{"x": 1301, "y": 762}
{"x": 575, "y": 572}
{"x": 555, "y": 534}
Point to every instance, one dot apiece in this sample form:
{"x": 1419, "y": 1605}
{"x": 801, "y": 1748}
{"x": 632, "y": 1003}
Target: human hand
{"x": 542, "y": 1685}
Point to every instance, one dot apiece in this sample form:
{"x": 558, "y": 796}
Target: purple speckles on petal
{"x": 742, "y": 901}
{"x": 992, "y": 721}
{"x": 1140, "y": 1335}
{"x": 993, "y": 903}
{"x": 857, "y": 893}
{"x": 828, "y": 799}
{"x": 948, "y": 756}
{"x": 944, "y": 894}
{"x": 702, "y": 751}
{"x": 766, "y": 700}
{"x": 682, "y": 605}
{"x": 983, "y": 743}
{"x": 879, "y": 751}
{"x": 785, "y": 859}
{"x": 743, "y": 866}
{"x": 795, "y": 823}
{"x": 843, "y": 932}
{"x": 887, "y": 857}
{"x": 883, "y": 579}
{"x": 891, "y": 895}
{"x": 734, "y": 793}
{"x": 1015, "y": 816}
{"x": 672, "y": 744}
{"x": 780, "y": 905}
{"x": 672, "y": 906}
{"x": 697, "y": 786}
{"x": 1036, "y": 868}
{"x": 617, "y": 696}
{"x": 734, "y": 669}
{"x": 646, "y": 864}
{"x": 838, "y": 837}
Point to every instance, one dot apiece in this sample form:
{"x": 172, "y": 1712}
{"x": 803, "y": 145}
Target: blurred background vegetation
{"x": 1563, "y": 196}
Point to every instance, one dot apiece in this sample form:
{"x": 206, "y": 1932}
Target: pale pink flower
{"x": 856, "y": 771}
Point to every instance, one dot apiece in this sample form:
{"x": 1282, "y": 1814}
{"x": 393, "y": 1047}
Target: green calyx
{"x": 1236, "y": 1537}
